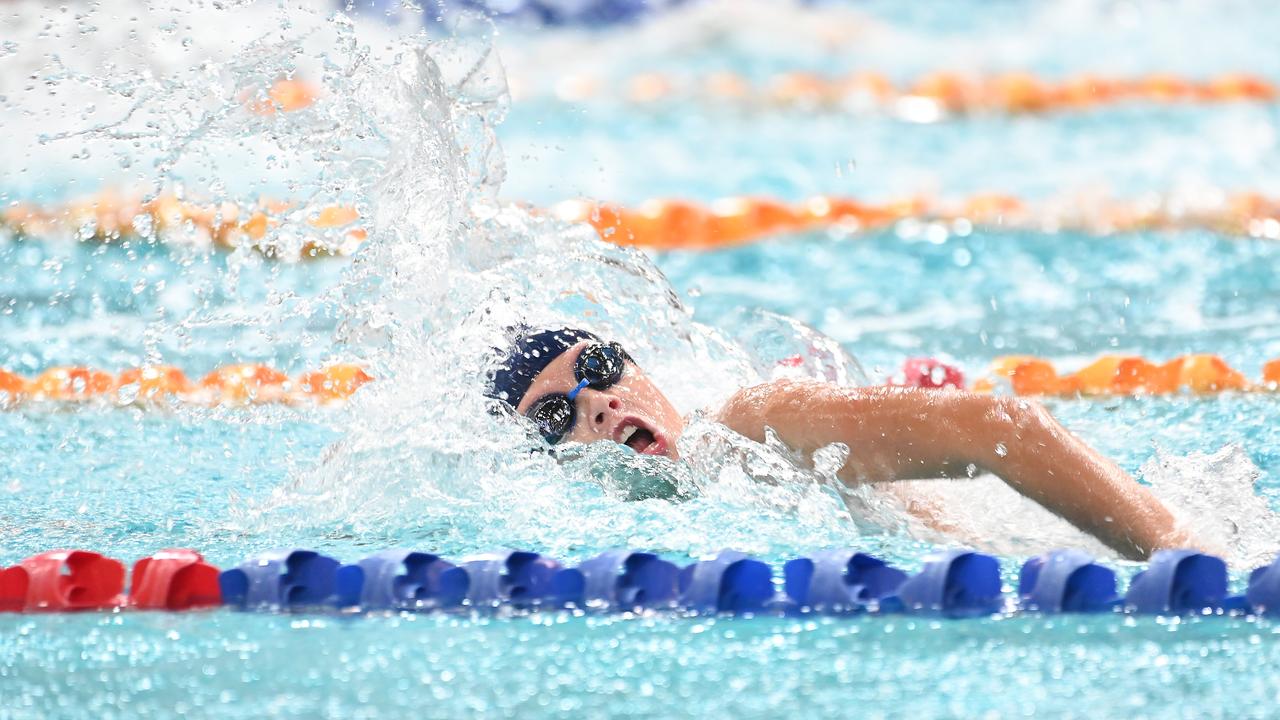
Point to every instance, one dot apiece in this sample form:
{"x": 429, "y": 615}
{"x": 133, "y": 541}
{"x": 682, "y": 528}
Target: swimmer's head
{"x": 576, "y": 387}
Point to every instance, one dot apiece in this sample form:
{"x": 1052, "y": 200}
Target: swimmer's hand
{"x": 906, "y": 433}
{"x": 1183, "y": 537}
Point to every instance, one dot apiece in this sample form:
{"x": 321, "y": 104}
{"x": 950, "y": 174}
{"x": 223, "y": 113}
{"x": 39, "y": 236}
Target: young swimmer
{"x": 576, "y": 387}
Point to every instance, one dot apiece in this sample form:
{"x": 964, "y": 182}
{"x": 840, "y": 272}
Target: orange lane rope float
{"x": 1109, "y": 375}
{"x": 661, "y": 224}
{"x": 257, "y": 384}
{"x": 284, "y": 95}
{"x": 1112, "y": 375}
{"x": 240, "y": 384}
{"x": 679, "y": 224}
{"x": 115, "y": 217}
{"x": 928, "y": 98}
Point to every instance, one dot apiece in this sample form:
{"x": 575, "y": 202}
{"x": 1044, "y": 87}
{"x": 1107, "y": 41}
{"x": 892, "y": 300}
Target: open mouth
{"x": 638, "y": 436}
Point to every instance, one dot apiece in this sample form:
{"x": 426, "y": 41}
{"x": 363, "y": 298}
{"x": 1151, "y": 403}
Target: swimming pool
{"x": 405, "y": 463}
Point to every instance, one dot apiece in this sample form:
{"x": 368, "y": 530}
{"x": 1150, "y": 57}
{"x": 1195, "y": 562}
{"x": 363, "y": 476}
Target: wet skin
{"x": 898, "y": 434}
{"x": 626, "y": 410}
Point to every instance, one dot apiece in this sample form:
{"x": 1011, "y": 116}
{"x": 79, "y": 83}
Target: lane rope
{"x": 1107, "y": 376}
{"x": 671, "y": 224}
{"x": 675, "y": 224}
{"x": 955, "y": 583}
{"x": 237, "y": 384}
{"x": 256, "y": 383}
{"x": 929, "y": 98}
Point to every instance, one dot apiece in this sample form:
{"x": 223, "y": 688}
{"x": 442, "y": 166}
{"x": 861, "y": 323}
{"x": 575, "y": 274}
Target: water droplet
{"x": 1001, "y": 449}
{"x": 127, "y": 394}
{"x": 143, "y": 224}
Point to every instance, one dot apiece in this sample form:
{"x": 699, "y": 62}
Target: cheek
{"x": 581, "y": 432}
{"x": 647, "y": 398}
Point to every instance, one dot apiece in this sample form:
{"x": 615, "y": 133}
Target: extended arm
{"x": 903, "y": 434}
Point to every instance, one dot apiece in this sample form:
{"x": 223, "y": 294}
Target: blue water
{"x": 250, "y": 666}
{"x": 128, "y": 482}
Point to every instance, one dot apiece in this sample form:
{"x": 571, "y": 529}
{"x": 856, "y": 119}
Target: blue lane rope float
{"x": 399, "y": 579}
{"x": 281, "y": 580}
{"x": 552, "y": 13}
{"x": 842, "y": 581}
{"x": 731, "y": 582}
{"x": 1263, "y": 594}
{"x": 952, "y": 583}
{"x": 519, "y": 579}
{"x": 1066, "y": 581}
{"x": 628, "y": 580}
{"x": 1179, "y": 581}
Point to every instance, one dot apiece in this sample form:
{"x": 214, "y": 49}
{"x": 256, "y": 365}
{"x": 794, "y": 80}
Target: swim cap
{"x": 531, "y": 353}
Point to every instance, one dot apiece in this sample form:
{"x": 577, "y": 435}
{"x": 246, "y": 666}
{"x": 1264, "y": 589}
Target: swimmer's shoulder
{"x": 751, "y": 408}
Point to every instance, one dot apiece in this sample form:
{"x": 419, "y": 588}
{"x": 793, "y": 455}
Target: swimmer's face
{"x": 632, "y": 411}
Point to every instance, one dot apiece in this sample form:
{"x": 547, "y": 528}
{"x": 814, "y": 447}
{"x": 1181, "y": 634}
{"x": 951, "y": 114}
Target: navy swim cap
{"x": 531, "y": 353}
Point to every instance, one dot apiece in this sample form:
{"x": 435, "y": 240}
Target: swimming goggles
{"x": 599, "y": 366}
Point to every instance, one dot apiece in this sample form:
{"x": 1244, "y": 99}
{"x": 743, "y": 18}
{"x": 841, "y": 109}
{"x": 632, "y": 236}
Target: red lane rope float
{"x": 71, "y": 580}
{"x": 661, "y": 224}
{"x": 927, "y": 98}
{"x": 241, "y": 384}
{"x": 177, "y": 579}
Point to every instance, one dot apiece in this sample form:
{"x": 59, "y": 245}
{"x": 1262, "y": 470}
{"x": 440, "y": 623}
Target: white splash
{"x": 1216, "y": 495}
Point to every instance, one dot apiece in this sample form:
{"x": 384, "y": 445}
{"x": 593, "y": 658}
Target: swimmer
{"x": 575, "y": 387}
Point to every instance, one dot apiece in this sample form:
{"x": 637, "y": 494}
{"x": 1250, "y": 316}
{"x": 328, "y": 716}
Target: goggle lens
{"x": 554, "y": 416}
{"x": 601, "y": 366}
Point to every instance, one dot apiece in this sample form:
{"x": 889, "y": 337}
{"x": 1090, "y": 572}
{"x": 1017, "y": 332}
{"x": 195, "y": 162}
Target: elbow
{"x": 1018, "y": 414}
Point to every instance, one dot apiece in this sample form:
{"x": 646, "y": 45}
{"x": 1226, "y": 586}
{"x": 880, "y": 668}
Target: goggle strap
{"x": 573, "y": 394}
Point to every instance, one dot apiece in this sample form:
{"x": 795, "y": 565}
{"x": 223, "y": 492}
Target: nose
{"x": 600, "y": 406}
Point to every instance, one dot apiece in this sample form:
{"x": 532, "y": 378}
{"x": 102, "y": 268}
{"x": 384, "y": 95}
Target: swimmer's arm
{"x": 903, "y": 434}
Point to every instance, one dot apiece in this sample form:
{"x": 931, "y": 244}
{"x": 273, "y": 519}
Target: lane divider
{"x": 252, "y": 383}
{"x": 929, "y": 98}
{"x": 240, "y": 384}
{"x": 952, "y": 583}
{"x": 679, "y": 225}
{"x": 527, "y": 13}
{"x": 1116, "y": 375}
{"x": 1108, "y": 376}
{"x": 669, "y": 224}
{"x": 114, "y": 217}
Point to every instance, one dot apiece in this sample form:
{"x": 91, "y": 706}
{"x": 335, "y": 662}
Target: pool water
{"x": 392, "y": 469}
